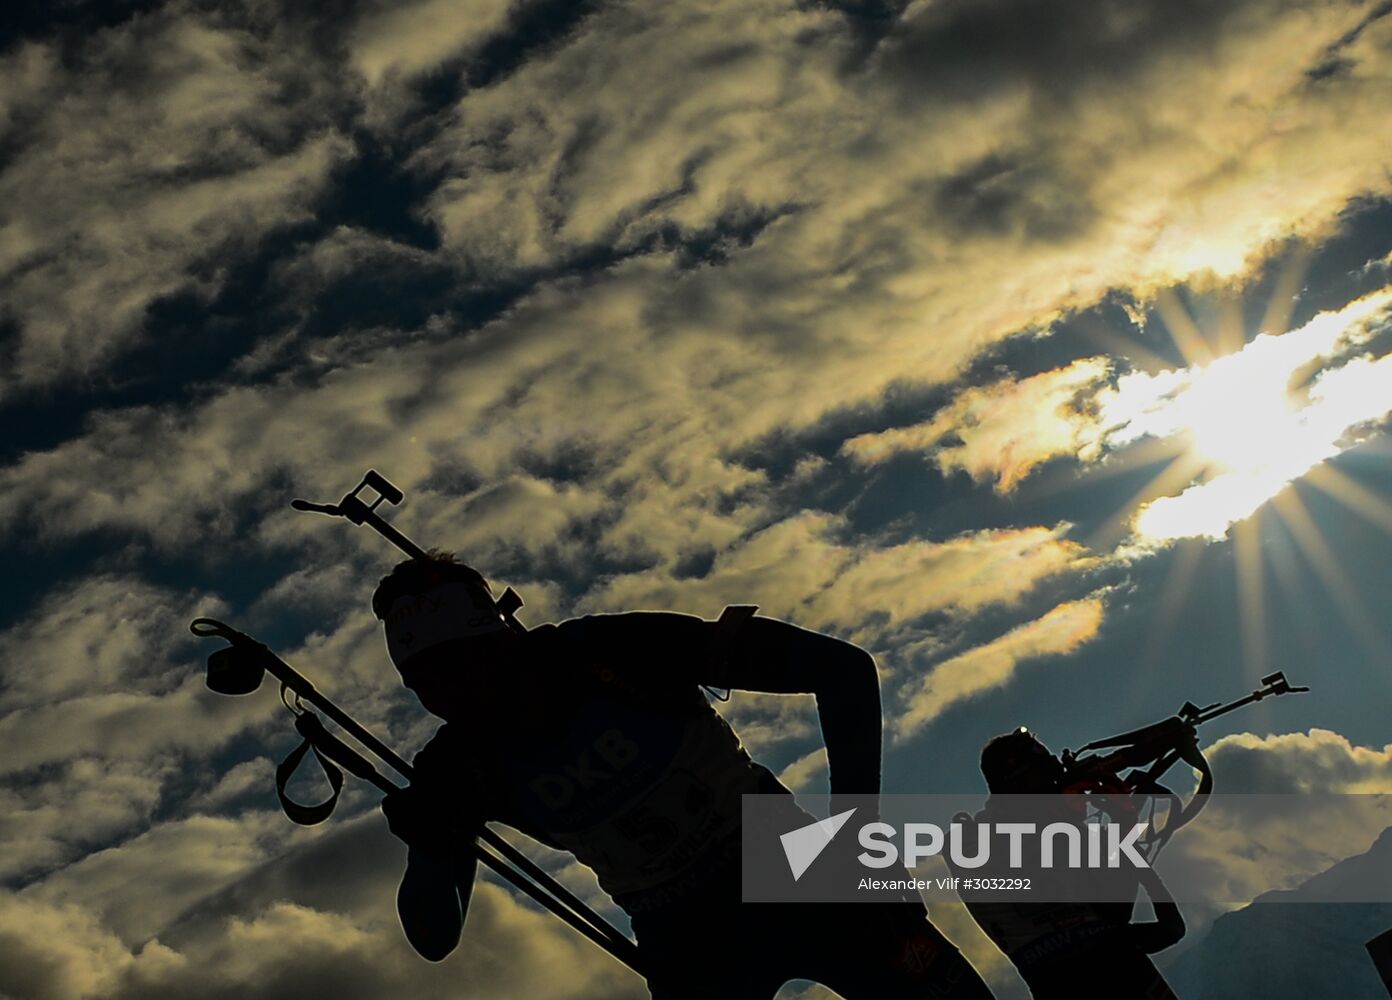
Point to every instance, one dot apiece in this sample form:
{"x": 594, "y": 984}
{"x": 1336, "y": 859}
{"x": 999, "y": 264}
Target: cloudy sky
{"x": 1040, "y": 348}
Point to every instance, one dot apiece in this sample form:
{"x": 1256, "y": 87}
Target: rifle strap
{"x": 315, "y": 735}
{"x": 1196, "y": 803}
{"x": 727, "y": 630}
{"x": 1200, "y": 797}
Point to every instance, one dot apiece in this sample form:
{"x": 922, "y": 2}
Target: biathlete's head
{"x": 444, "y": 631}
{"x": 1018, "y": 763}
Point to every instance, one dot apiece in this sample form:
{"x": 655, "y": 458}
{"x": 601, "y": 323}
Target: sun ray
{"x": 1174, "y": 590}
{"x": 1187, "y": 337}
{"x": 1352, "y": 494}
{"x": 1230, "y": 332}
{"x": 1283, "y": 297}
{"x": 1251, "y": 596}
{"x": 1147, "y": 452}
{"x": 1292, "y": 582}
{"x": 1178, "y": 473}
{"x": 1121, "y": 346}
{"x": 1326, "y": 565}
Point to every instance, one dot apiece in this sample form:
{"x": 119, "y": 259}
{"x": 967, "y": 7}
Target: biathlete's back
{"x": 631, "y": 769}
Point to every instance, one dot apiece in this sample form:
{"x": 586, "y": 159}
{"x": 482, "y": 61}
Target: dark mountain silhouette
{"x": 1297, "y": 944}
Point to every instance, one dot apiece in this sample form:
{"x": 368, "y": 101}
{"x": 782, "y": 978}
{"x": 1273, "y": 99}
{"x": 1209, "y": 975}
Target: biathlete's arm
{"x": 781, "y": 658}
{"x": 433, "y": 898}
{"x": 1168, "y": 926}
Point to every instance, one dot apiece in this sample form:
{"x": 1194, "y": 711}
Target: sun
{"x": 1241, "y": 426}
{"x": 1250, "y": 422}
{"x": 1240, "y": 414}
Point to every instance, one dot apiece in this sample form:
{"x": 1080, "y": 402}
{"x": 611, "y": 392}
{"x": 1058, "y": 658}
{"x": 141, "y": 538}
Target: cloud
{"x": 101, "y": 709}
{"x": 1248, "y": 422}
{"x": 1251, "y": 421}
{"x": 927, "y": 197}
{"x": 479, "y": 406}
{"x": 686, "y": 378}
{"x": 697, "y": 231}
{"x": 176, "y": 864}
{"x": 983, "y": 668}
{"x": 1243, "y": 845}
{"x": 240, "y": 782}
{"x": 81, "y": 804}
{"x": 835, "y": 270}
{"x": 1002, "y": 431}
{"x": 408, "y": 39}
{"x": 99, "y": 635}
{"x": 1297, "y": 763}
{"x": 188, "y": 717}
{"x": 798, "y": 568}
{"x": 800, "y": 774}
{"x": 284, "y": 949}
{"x": 518, "y": 513}
{"x": 56, "y": 952}
{"x": 770, "y": 722}
{"x": 961, "y": 575}
{"x": 146, "y": 161}
{"x": 258, "y": 906}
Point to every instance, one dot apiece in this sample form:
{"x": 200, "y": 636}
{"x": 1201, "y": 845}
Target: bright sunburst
{"x": 1256, "y": 419}
{"x": 1239, "y": 429}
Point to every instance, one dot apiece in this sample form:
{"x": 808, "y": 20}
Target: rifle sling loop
{"x": 1187, "y": 812}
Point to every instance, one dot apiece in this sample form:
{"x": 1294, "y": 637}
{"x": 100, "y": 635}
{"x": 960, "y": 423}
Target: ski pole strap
{"x": 313, "y": 731}
{"x": 339, "y": 752}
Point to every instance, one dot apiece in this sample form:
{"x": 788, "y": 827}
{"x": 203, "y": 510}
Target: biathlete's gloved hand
{"x": 429, "y": 824}
{"x": 1188, "y": 747}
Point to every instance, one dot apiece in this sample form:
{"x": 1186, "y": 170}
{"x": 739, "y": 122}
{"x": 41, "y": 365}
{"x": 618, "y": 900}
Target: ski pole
{"x": 238, "y": 669}
{"x": 359, "y": 511}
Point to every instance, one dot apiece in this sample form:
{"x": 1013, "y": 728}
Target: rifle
{"x": 1148, "y": 752}
{"x": 240, "y": 667}
{"x": 359, "y": 511}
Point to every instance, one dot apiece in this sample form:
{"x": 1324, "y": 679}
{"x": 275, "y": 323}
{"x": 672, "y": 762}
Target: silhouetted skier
{"x": 594, "y": 737}
{"x": 1069, "y": 949}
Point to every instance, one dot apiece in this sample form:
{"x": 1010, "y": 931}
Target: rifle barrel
{"x": 1229, "y": 707}
{"x": 388, "y": 532}
{"x": 1272, "y": 690}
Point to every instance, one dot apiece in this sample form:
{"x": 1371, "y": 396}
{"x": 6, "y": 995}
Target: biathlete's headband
{"x": 453, "y": 610}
